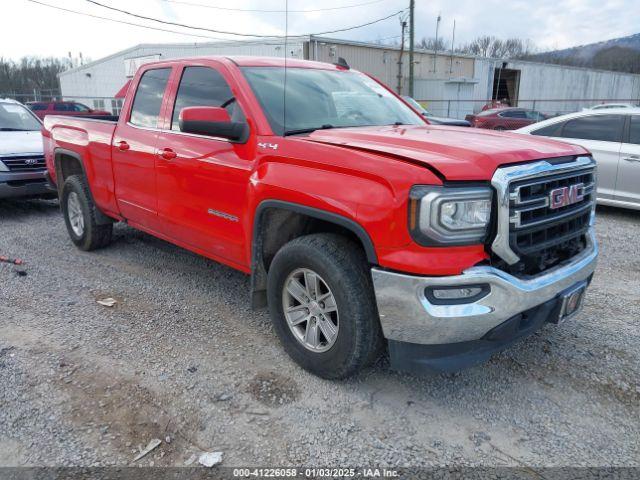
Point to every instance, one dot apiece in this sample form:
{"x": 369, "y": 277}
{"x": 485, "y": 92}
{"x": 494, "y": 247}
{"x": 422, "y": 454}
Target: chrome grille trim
{"x": 536, "y": 171}
{"x": 24, "y": 163}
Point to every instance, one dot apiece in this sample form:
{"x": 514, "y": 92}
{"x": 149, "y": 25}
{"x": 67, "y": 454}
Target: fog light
{"x": 455, "y": 295}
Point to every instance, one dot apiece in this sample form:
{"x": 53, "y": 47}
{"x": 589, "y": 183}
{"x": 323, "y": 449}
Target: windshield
{"x": 16, "y": 118}
{"x": 416, "y": 105}
{"x": 325, "y": 99}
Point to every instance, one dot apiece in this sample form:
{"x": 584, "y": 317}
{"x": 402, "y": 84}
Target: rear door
{"x": 628, "y": 185}
{"x": 134, "y": 150}
{"x": 601, "y": 134}
{"x": 202, "y": 189}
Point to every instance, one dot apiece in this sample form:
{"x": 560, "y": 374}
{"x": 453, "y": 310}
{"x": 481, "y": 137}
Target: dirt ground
{"x": 181, "y": 357}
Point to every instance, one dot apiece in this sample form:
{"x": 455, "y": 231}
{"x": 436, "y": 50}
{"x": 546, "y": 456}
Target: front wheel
{"x": 322, "y": 305}
{"x": 80, "y": 216}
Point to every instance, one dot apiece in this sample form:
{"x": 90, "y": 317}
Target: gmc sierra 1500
{"x": 360, "y": 224}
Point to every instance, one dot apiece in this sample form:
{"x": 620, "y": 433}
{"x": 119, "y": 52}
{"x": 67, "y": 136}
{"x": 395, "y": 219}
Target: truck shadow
{"x": 618, "y": 213}
{"x": 17, "y": 208}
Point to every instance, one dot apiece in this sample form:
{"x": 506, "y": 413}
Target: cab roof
{"x": 249, "y": 61}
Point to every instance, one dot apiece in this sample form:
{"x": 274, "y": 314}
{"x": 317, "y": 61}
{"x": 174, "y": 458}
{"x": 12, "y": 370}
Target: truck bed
{"x": 89, "y": 139}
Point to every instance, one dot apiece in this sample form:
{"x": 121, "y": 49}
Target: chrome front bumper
{"x": 407, "y": 315}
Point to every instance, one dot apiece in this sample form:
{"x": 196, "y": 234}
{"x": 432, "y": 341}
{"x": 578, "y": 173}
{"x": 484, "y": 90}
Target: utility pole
{"x": 412, "y": 7}
{"x": 453, "y": 41}
{"x": 435, "y": 54}
{"x": 403, "y": 24}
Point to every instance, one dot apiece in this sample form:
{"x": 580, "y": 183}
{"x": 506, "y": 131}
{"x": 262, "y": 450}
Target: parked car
{"x": 22, "y": 165}
{"x": 454, "y": 122}
{"x": 609, "y": 106}
{"x": 75, "y": 109}
{"x": 359, "y": 224}
{"x": 613, "y": 137}
{"x": 505, "y": 118}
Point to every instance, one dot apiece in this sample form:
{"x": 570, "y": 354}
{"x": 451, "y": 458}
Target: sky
{"x": 30, "y": 29}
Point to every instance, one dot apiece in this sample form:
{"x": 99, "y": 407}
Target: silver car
{"x": 22, "y": 164}
{"x": 613, "y": 137}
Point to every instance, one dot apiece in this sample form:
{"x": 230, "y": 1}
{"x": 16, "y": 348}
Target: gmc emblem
{"x": 563, "y": 196}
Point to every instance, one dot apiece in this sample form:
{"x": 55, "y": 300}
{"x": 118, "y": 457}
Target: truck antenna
{"x": 284, "y": 94}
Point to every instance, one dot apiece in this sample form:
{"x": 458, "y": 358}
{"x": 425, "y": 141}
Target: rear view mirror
{"x": 213, "y": 122}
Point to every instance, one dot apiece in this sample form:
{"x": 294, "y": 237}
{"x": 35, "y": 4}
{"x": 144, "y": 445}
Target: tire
{"x": 80, "y": 216}
{"x": 342, "y": 268}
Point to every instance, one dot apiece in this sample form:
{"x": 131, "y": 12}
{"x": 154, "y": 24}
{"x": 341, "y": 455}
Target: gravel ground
{"x": 183, "y": 358}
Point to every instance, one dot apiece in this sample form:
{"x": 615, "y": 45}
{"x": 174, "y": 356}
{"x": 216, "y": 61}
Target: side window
{"x": 634, "y": 129}
{"x": 203, "y": 87}
{"x": 61, "y": 107}
{"x": 78, "y": 107}
{"x": 148, "y": 100}
{"x": 604, "y": 128}
{"x": 35, "y": 107}
{"x": 514, "y": 114}
{"x": 550, "y": 130}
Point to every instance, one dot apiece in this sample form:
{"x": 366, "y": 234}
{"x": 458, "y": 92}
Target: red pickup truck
{"x": 361, "y": 225}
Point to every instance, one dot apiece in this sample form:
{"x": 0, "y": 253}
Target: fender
{"x": 101, "y": 218}
{"x": 258, "y": 272}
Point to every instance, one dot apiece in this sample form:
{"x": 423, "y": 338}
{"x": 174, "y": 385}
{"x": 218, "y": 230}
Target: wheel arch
{"x": 67, "y": 163}
{"x": 276, "y": 222}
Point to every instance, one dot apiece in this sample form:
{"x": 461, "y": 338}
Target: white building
{"x": 452, "y": 85}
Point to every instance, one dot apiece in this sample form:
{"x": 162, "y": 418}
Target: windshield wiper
{"x": 9, "y": 129}
{"x": 308, "y": 130}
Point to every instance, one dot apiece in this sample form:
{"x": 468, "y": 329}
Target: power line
{"x": 175, "y": 24}
{"x": 126, "y": 23}
{"x": 193, "y": 4}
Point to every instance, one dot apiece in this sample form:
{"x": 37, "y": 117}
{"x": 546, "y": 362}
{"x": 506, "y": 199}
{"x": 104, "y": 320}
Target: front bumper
{"x": 24, "y": 184}
{"x": 406, "y": 315}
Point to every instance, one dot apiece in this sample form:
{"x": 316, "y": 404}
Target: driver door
{"x": 202, "y": 180}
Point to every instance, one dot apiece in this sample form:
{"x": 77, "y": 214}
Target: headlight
{"x": 449, "y": 215}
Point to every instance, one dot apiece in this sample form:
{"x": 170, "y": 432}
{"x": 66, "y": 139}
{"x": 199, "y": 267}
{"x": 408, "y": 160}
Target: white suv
{"x": 22, "y": 165}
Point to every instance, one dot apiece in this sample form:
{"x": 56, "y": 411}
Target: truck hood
{"x": 19, "y": 143}
{"x": 458, "y": 153}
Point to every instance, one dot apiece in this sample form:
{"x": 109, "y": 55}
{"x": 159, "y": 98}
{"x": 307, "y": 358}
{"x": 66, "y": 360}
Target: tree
{"x": 492, "y": 47}
{"x": 618, "y": 59}
{"x": 30, "y": 73}
{"x": 432, "y": 44}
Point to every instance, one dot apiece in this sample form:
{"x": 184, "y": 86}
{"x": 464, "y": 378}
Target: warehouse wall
{"x": 103, "y": 78}
{"x": 542, "y": 82}
{"x": 456, "y": 87}
{"x": 382, "y": 62}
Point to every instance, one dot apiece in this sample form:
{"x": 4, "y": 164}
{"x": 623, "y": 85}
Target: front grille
{"x": 549, "y": 214}
{"x": 26, "y": 163}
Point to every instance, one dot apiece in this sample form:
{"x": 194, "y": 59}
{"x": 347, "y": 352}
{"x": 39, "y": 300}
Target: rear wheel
{"x": 80, "y": 216}
{"x": 322, "y": 305}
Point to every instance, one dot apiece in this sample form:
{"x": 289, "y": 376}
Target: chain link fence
{"x": 108, "y": 104}
{"x": 535, "y": 110}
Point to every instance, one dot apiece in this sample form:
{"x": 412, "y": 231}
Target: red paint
{"x": 202, "y": 193}
{"x": 204, "y": 114}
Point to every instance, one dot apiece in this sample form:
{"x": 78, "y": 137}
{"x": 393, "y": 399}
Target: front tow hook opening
{"x": 456, "y": 295}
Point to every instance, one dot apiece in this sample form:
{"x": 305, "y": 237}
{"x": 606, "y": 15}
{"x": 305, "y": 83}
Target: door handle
{"x": 167, "y": 154}
{"x": 123, "y": 146}
{"x": 632, "y": 158}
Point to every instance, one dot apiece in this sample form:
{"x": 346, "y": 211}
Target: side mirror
{"x": 214, "y": 122}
